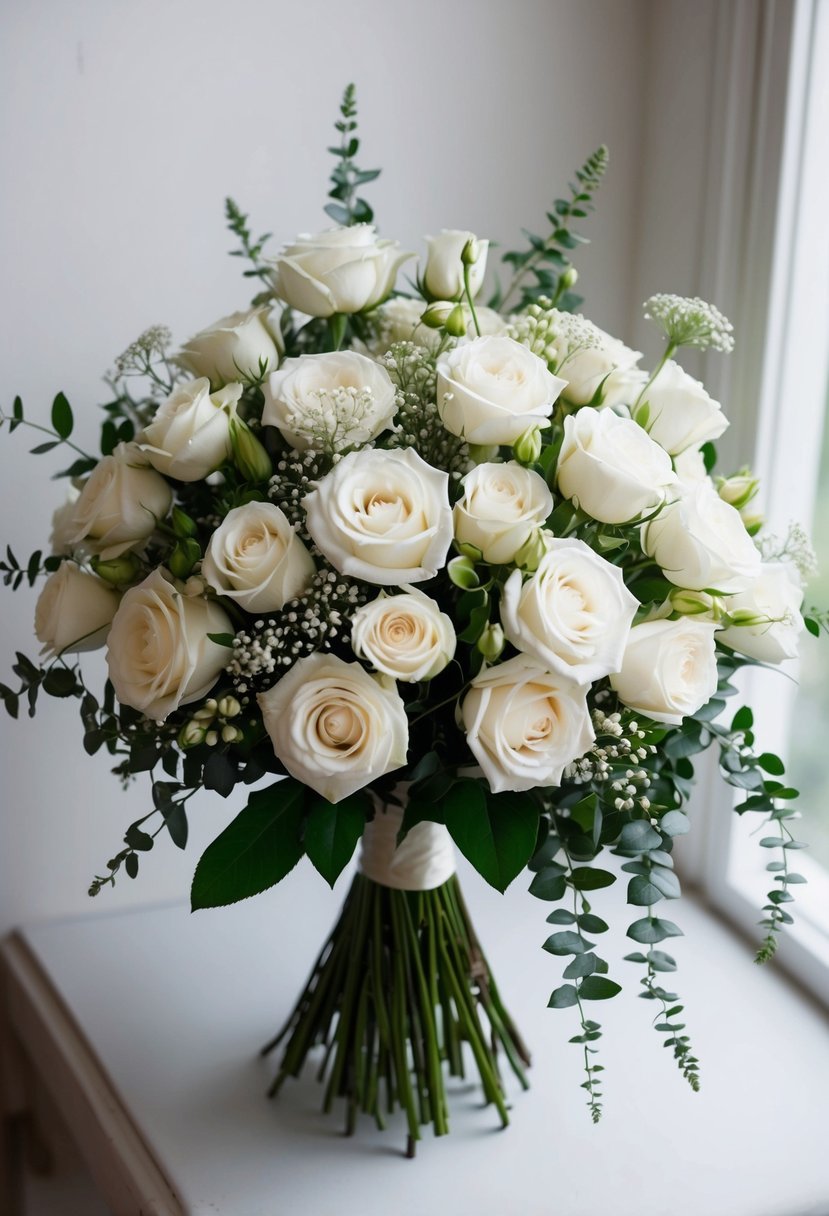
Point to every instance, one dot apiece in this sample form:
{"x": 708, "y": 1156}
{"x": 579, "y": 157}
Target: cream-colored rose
{"x": 64, "y": 527}
{"x": 382, "y": 516}
{"x": 335, "y": 727}
{"x": 611, "y": 468}
{"x": 603, "y": 363}
{"x": 243, "y": 346}
{"x": 158, "y": 650}
{"x": 573, "y": 614}
{"x": 678, "y": 413}
{"x": 404, "y": 636}
{"x": 769, "y": 616}
{"x": 120, "y": 503}
{"x": 329, "y": 402}
{"x": 701, "y": 543}
{"x": 189, "y": 437}
{"x": 256, "y": 558}
{"x": 342, "y": 270}
{"x": 492, "y": 389}
{"x": 669, "y": 670}
{"x": 524, "y": 724}
{"x": 74, "y": 611}
{"x": 443, "y": 277}
{"x": 501, "y": 507}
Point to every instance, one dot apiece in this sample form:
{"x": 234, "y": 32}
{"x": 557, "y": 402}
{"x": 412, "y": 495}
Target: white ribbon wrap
{"x": 425, "y": 859}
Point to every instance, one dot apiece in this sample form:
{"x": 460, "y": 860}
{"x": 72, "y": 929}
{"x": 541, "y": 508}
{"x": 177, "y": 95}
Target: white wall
{"x": 122, "y": 127}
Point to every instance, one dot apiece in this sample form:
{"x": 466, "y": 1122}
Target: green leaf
{"x": 496, "y": 833}
{"x": 561, "y": 916}
{"x": 598, "y": 988}
{"x": 642, "y": 892}
{"x": 566, "y": 943}
{"x": 332, "y": 832}
{"x": 582, "y": 964}
{"x": 220, "y": 774}
{"x": 222, "y": 639}
{"x": 255, "y": 851}
{"x": 638, "y": 837}
{"x": 588, "y": 923}
{"x": 675, "y": 823}
{"x": 586, "y": 878}
{"x": 62, "y": 420}
{"x": 548, "y": 884}
{"x": 59, "y": 682}
{"x": 771, "y": 764}
{"x": 563, "y": 997}
{"x": 649, "y": 930}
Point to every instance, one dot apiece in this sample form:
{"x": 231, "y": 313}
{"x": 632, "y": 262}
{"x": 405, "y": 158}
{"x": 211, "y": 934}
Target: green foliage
{"x": 346, "y": 178}
{"x": 255, "y": 851}
{"x": 250, "y": 247}
{"x": 495, "y": 832}
{"x": 332, "y": 832}
{"x": 547, "y": 258}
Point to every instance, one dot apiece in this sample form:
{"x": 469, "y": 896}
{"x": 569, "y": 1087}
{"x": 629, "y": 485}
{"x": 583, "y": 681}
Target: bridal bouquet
{"x": 421, "y": 572}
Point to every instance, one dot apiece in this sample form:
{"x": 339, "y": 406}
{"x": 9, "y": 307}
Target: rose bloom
{"x": 573, "y": 614}
{"x": 342, "y": 399}
{"x": 678, "y": 413}
{"x": 333, "y": 726}
{"x": 701, "y": 543}
{"x": 610, "y": 467}
{"x": 241, "y": 346}
{"x": 443, "y": 277}
{"x": 342, "y": 270}
{"x": 607, "y": 363}
{"x": 524, "y": 724}
{"x": 382, "y": 516}
{"x": 120, "y": 503}
{"x": 158, "y": 650}
{"x": 189, "y": 437}
{"x": 669, "y": 669}
{"x": 502, "y": 505}
{"x": 74, "y": 611}
{"x": 64, "y": 526}
{"x": 404, "y": 636}
{"x": 492, "y": 389}
{"x": 256, "y": 558}
{"x": 769, "y": 615}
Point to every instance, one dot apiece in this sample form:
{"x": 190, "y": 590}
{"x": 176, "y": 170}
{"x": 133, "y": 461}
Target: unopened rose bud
{"x": 527, "y": 447}
{"x": 491, "y": 643}
{"x": 753, "y": 521}
{"x": 483, "y": 453}
{"x": 531, "y": 552}
{"x": 471, "y": 551}
{"x": 183, "y": 525}
{"x": 471, "y": 251}
{"x": 462, "y": 573}
{"x": 455, "y": 323}
{"x": 569, "y": 278}
{"x": 739, "y": 489}
{"x": 696, "y": 603}
{"x": 251, "y": 459}
{"x": 118, "y": 571}
{"x": 184, "y": 557}
{"x": 191, "y": 735}
{"x": 437, "y": 314}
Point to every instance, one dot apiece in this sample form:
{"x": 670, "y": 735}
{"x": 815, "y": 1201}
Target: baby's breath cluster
{"x": 690, "y": 321}
{"x": 553, "y": 335}
{"x": 334, "y": 419}
{"x": 615, "y": 757}
{"x": 267, "y": 647}
{"x": 148, "y": 347}
{"x": 412, "y": 370}
{"x": 795, "y": 547}
{"x": 293, "y": 479}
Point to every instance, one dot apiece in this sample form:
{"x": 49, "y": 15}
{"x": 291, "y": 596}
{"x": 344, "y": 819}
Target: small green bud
{"x": 491, "y": 642}
{"x": 184, "y": 557}
{"x": 753, "y": 522}
{"x": 471, "y": 251}
{"x": 569, "y": 278}
{"x": 437, "y": 314}
{"x": 527, "y": 447}
{"x": 191, "y": 735}
{"x": 531, "y": 552}
{"x": 462, "y": 573}
{"x": 696, "y": 603}
{"x": 118, "y": 571}
{"x": 455, "y": 323}
{"x": 183, "y": 525}
{"x": 229, "y": 707}
{"x": 471, "y": 551}
{"x": 739, "y": 489}
{"x": 252, "y": 461}
{"x": 482, "y": 453}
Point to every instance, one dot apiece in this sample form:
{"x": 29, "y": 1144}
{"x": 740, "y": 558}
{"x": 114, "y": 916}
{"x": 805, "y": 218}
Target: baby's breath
{"x": 690, "y": 321}
{"x": 795, "y": 547}
{"x": 148, "y": 347}
{"x": 553, "y": 335}
{"x": 419, "y": 426}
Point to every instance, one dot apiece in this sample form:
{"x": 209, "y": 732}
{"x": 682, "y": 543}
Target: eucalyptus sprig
{"x": 346, "y": 177}
{"x": 250, "y": 247}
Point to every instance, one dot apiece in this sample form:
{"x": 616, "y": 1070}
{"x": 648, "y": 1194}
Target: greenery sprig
{"x": 346, "y": 177}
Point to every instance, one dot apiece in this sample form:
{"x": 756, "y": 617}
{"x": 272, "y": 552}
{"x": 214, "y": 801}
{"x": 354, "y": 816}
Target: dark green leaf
{"x": 586, "y": 878}
{"x": 332, "y": 832}
{"x": 548, "y": 884}
{"x": 566, "y": 943}
{"x": 652, "y": 929}
{"x": 62, "y": 420}
{"x": 598, "y": 988}
{"x": 59, "y": 682}
{"x": 675, "y": 823}
{"x": 496, "y": 834}
{"x": 220, "y": 773}
{"x": 563, "y": 997}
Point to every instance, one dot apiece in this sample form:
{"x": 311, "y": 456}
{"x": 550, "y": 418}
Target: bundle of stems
{"x": 398, "y": 989}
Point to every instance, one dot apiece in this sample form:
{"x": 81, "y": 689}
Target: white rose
{"x": 678, "y": 413}
{"x": 572, "y": 615}
{"x": 242, "y": 346}
{"x": 689, "y": 467}
{"x": 769, "y": 612}
{"x": 610, "y": 467}
{"x": 256, "y": 558}
{"x": 158, "y": 651}
{"x": 120, "y": 503}
{"x": 399, "y": 320}
{"x": 501, "y": 507}
{"x": 335, "y": 727}
{"x": 524, "y": 724}
{"x": 443, "y": 277}
{"x": 490, "y": 390}
{"x": 669, "y": 669}
{"x": 404, "y": 636}
{"x": 329, "y": 402}
{"x": 74, "y": 611}
{"x": 603, "y": 362}
{"x": 64, "y": 526}
{"x": 341, "y": 270}
{"x": 382, "y": 516}
{"x": 189, "y": 437}
{"x": 701, "y": 543}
